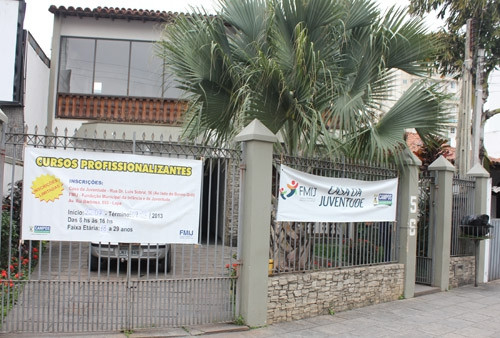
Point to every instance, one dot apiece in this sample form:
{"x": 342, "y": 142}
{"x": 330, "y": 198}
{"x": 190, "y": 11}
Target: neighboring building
{"x": 403, "y": 81}
{"x": 24, "y": 79}
{"x": 106, "y": 76}
{"x": 24, "y": 68}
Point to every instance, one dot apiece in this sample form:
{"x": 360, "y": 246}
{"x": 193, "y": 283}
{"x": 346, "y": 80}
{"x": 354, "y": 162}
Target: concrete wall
{"x": 462, "y": 271}
{"x": 302, "y": 295}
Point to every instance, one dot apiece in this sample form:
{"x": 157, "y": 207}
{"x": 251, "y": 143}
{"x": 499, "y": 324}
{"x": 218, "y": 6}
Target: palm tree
{"x": 315, "y": 71}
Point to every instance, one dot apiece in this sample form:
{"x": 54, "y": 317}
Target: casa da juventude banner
{"x": 309, "y": 198}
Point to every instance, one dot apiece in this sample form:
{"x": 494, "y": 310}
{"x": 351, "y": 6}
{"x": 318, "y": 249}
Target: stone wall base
{"x": 462, "y": 271}
{"x": 302, "y": 295}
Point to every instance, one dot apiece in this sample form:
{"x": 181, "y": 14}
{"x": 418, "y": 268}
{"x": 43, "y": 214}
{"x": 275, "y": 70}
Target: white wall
{"x": 36, "y": 89}
{"x": 9, "y": 10}
{"x": 111, "y": 29}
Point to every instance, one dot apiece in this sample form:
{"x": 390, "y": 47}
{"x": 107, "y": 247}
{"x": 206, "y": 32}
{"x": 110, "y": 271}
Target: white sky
{"x": 39, "y": 20}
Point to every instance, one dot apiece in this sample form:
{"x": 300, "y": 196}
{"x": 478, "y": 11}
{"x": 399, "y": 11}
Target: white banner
{"x": 108, "y": 197}
{"x": 309, "y": 198}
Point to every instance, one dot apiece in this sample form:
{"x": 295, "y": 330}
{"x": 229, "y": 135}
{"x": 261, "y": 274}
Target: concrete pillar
{"x": 408, "y": 216}
{"x": 443, "y": 173}
{"x": 481, "y": 193}
{"x": 255, "y": 213}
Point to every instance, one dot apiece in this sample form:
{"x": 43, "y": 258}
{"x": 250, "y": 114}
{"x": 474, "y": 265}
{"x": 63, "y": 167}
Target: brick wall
{"x": 302, "y": 295}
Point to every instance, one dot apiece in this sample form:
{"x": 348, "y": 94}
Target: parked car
{"x": 157, "y": 254}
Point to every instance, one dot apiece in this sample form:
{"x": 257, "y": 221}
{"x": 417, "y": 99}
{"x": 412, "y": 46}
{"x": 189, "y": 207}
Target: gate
{"x": 494, "y": 267}
{"x": 425, "y": 230}
{"x": 62, "y": 287}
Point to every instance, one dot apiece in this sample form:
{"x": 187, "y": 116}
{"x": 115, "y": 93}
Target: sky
{"x": 39, "y": 20}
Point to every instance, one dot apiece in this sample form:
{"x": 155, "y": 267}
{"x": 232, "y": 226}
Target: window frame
{"x": 92, "y": 91}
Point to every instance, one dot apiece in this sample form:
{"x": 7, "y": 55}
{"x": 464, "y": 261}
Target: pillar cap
{"x": 478, "y": 171}
{"x": 441, "y": 164}
{"x": 256, "y": 131}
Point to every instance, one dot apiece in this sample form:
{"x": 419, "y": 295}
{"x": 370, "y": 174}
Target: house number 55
{"x": 412, "y": 223}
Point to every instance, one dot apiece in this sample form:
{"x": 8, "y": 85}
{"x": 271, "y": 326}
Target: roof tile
{"x": 114, "y": 13}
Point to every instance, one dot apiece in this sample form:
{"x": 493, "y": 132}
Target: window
{"x": 77, "y": 66}
{"x": 112, "y": 67}
{"x": 144, "y": 70}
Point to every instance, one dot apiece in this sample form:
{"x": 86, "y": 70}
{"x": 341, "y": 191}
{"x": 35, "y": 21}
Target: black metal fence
{"x": 425, "y": 229}
{"x": 62, "y": 287}
{"x": 309, "y": 246}
{"x": 463, "y": 205}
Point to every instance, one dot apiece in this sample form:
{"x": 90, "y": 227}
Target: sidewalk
{"x": 461, "y": 312}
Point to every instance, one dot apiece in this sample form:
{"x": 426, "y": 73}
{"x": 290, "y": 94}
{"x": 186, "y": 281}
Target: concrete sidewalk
{"x": 462, "y": 312}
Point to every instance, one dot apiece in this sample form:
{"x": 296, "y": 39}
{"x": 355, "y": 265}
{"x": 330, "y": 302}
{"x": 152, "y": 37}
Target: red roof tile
{"x": 114, "y": 13}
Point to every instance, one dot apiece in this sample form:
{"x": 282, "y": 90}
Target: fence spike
{"x": 95, "y": 134}
{"x": 76, "y": 131}
{"x": 161, "y": 137}
{"x": 124, "y": 136}
{"x": 143, "y": 136}
{"x": 56, "y": 130}
{"x": 152, "y": 136}
{"x": 36, "y": 129}
{"x": 170, "y": 138}
{"x": 104, "y": 134}
{"x": 113, "y": 135}
{"x": 46, "y": 130}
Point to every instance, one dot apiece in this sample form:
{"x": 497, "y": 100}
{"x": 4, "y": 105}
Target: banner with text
{"x": 108, "y": 197}
{"x": 309, "y": 198}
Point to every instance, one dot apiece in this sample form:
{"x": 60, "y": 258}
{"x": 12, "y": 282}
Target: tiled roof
{"x": 114, "y": 13}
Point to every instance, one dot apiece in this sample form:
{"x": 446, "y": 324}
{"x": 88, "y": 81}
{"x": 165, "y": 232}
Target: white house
{"x": 106, "y": 76}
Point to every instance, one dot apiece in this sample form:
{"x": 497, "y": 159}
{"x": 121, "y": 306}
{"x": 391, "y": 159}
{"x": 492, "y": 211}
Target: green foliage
{"x": 239, "y": 321}
{"x": 16, "y": 260}
{"x": 10, "y": 232}
{"x": 317, "y": 72}
{"x": 486, "y": 30}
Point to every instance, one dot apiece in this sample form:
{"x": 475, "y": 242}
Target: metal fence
{"x": 307, "y": 246}
{"x": 425, "y": 229}
{"x": 462, "y": 205}
{"x": 62, "y": 287}
{"x": 494, "y": 266}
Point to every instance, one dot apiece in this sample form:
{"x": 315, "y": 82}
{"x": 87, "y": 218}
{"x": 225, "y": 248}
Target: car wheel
{"x": 161, "y": 265}
{"x": 94, "y": 263}
{"x": 169, "y": 261}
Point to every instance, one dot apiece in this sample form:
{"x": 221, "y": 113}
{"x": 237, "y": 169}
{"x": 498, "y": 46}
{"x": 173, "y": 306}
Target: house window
{"x": 76, "y": 72}
{"x": 144, "y": 70}
{"x": 113, "y": 68}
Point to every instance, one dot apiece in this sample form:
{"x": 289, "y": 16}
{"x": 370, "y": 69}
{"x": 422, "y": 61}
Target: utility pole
{"x": 478, "y": 109}
{"x": 462, "y": 160}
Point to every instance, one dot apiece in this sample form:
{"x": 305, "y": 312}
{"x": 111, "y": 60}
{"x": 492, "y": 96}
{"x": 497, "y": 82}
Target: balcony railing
{"x": 120, "y": 109}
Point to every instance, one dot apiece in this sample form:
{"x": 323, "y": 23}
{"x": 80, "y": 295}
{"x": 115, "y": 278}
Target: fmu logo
{"x": 292, "y": 186}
